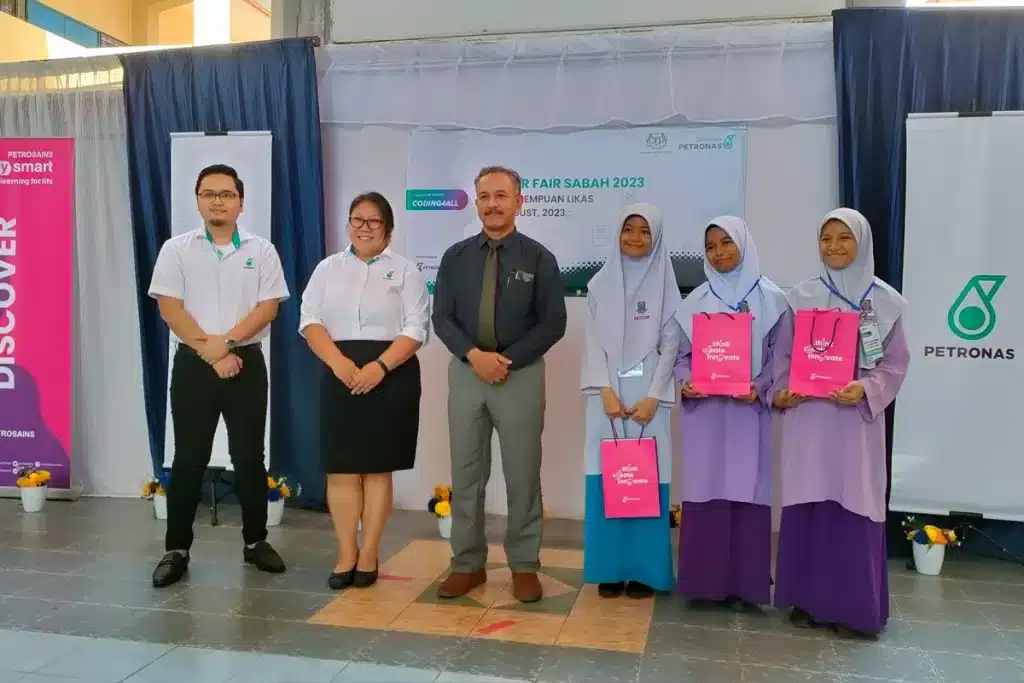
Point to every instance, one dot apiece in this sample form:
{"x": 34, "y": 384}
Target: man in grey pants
{"x": 498, "y": 306}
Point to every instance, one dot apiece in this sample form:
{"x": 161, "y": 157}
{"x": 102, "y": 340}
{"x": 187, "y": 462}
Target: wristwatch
{"x": 232, "y": 343}
{"x": 383, "y": 365}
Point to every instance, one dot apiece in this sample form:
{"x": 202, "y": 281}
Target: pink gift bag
{"x": 721, "y": 357}
{"x": 824, "y": 351}
{"x": 629, "y": 476}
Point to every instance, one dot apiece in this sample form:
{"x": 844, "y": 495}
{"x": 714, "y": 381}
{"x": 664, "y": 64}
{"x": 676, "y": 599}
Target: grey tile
{"x": 966, "y": 669}
{"x": 1013, "y": 643}
{"x": 494, "y": 658}
{"x": 29, "y": 651}
{"x": 944, "y": 611}
{"x": 900, "y": 633}
{"x": 135, "y": 565}
{"x": 43, "y": 678}
{"x": 314, "y": 640}
{"x": 206, "y": 600}
{"x": 105, "y": 660}
{"x": 24, "y": 613}
{"x": 659, "y": 669}
{"x": 81, "y": 619}
{"x": 157, "y": 626}
{"x": 1009, "y": 617}
{"x": 268, "y": 668}
{"x": 877, "y": 661}
{"x": 576, "y": 665}
{"x": 201, "y": 630}
{"x": 911, "y": 584}
{"x": 673, "y": 610}
{"x": 16, "y": 581}
{"x": 774, "y": 674}
{"x": 49, "y": 561}
{"x": 696, "y": 642}
{"x": 810, "y": 654}
{"x": 959, "y": 639}
{"x": 409, "y": 649}
{"x": 287, "y": 605}
{"x": 362, "y": 672}
{"x": 54, "y": 539}
{"x": 194, "y": 664}
{"x": 301, "y": 580}
{"x": 453, "y": 677}
{"x": 1000, "y": 593}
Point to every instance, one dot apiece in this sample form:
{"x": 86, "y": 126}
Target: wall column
{"x": 301, "y": 19}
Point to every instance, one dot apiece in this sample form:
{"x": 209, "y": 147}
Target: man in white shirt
{"x": 218, "y": 289}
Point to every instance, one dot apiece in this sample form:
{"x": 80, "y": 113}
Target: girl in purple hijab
{"x": 831, "y": 566}
{"x": 725, "y": 535}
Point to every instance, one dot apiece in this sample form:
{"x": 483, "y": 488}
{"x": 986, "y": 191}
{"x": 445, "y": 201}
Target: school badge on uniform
{"x": 250, "y": 264}
{"x": 390, "y": 275}
{"x": 641, "y": 311}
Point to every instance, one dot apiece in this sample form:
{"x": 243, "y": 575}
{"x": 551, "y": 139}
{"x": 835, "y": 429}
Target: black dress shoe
{"x": 339, "y": 581}
{"x": 264, "y": 557}
{"x": 638, "y": 591}
{"x": 365, "y": 579}
{"x": 170, "y": 569}
{"x": 611, "y": 590}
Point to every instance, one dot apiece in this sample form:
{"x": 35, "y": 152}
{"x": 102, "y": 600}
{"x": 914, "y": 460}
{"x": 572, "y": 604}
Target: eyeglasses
{"x": 374, "y": 224}
{"x": 209, "y": 196}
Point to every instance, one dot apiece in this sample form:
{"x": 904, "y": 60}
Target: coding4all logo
{"x": 972, "y": 316}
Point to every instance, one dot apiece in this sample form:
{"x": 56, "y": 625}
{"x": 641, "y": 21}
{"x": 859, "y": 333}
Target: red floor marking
{"x": 496, "y": 626}
{"x": 392, "y": 577}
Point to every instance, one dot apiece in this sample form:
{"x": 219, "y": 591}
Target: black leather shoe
{"x": 365, "y": 579}
{"x": 338, "y": 581}
{"x": 264, "y": 557}
{"x": 170, "y": 569}
{"x": 611, "y": 590}
{"x": 638, "y": 591}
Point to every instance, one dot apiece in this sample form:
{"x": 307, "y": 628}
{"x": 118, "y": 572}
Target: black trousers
{"x": 199, "y": 397}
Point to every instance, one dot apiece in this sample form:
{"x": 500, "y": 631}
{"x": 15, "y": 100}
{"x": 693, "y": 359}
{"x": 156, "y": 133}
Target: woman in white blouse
{"x": 365, "y": 313}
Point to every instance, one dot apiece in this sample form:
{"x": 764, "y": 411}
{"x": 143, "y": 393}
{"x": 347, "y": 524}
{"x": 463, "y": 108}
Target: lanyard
{"x": 830, "y": 286}
{"x": 236, "y": 242}
{"x": 738, "y": 308}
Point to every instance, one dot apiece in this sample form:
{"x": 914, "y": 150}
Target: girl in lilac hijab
{"x": 832, "y": 562}
{"x": 725, "y": 535}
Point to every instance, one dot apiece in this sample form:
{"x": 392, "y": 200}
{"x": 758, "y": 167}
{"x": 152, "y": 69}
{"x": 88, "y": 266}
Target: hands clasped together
{"x": 489, "y": 366}
{"x": 214, "y": 350}
{"x": 642, "y": 412}
{"x": 358, "y": 380}
{"x": 850, "y": 395}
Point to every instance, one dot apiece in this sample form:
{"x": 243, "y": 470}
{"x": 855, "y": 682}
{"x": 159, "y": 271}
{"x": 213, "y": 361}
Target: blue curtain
{"x": 893, "y": 62}
{"x": 259, "y": 86}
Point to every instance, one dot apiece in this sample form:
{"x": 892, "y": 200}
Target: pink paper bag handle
{"x": 615, "y": 434}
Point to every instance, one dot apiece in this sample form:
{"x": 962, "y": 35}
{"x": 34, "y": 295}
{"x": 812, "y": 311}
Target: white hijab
{"x": 765, "y": 300}
{"x": 855, "y": 282}
{"x": 627, "y": 288}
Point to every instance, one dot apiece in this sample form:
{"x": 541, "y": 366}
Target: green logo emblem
{"x": 249, "y": 263}
{"x": 972, "y": 316}
{"x": 390, "y": 275}
{"x": 430, "y": 287}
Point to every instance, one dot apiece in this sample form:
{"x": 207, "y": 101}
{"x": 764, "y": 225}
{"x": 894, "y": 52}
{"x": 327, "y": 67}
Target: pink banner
{"x": 36, "y": 297}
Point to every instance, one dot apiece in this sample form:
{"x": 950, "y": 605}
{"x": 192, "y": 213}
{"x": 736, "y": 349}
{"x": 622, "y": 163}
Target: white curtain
{"x": 83, "y": 99}
{"x": 780, "y": 72}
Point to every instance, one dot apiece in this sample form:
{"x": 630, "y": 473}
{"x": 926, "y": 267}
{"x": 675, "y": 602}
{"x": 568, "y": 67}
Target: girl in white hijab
{"x": 725, "y": 535}
{"x": 833, "y": 449}
{"x": 630, "y": 346}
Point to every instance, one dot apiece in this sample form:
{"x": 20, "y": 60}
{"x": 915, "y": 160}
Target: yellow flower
{"x": 22, "y": 482}
{"x": 443, "y": 509}
{"x": 286, "y": 492}
{"x": 271, "y": 483}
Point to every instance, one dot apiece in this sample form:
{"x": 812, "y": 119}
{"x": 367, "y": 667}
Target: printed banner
{"x": 575, "y": 185}
{"x": 36, "y": 297}
{"x": 958, "y": 430}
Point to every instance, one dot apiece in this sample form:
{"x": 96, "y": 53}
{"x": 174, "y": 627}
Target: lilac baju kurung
{"x": 725, "y": 535}
{"x": 832, "y": 547}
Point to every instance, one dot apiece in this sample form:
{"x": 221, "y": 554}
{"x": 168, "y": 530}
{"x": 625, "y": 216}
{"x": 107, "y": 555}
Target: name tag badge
{"x": 635, "y": 371}
{"x": 871, "y": 339}
{"x": 523, "y": 276}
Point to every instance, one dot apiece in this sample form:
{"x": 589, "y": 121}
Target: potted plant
{"x": 33, "y": 483}
{"x": 441, "y": 505}
{"x": 155, "y": 489}
{"x": 278, "y": 492}
{"x": 929, "y": 544}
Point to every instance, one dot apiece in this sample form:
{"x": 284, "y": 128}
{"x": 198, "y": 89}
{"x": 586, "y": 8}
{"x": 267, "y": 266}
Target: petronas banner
{"x": 574, "y": 187}
{"x": 958, "y": 426}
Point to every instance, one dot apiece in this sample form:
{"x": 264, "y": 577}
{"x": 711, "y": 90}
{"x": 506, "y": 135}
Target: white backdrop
{"x": 778, "y": 80}
{"x": 250, "y": 153}
{"x": 958, "y": 430}
{"x": 83, "y": 99}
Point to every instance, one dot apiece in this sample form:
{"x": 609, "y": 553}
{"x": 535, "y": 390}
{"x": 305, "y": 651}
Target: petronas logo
{"x": 972, "y": 316}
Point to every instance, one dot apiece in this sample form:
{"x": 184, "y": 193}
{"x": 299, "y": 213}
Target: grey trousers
{"x": 516, "y": 409}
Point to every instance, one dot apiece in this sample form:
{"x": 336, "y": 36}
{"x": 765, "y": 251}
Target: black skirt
{"x": 374, "y": 432}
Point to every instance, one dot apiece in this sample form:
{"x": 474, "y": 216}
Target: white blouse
{"x": 355, "y": 300}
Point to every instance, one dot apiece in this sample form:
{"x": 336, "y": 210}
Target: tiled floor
{"x": 76, "y": 606}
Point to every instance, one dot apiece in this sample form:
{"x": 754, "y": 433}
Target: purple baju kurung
{"x": 832, "y": 548}
{"x": 725, "y": 534}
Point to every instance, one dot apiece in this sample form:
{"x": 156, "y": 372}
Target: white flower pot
{"x": 275, "y": 511}
{"x": 444, "y": 526}
{"x": 33, "y": 498}
{"x": 160, "y": 506}
{"x": 928, "y": 558}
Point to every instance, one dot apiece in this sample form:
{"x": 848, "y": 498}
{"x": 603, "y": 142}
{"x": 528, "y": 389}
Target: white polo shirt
{"x": 376, "y": 300}
{"x": 219, "y": 285}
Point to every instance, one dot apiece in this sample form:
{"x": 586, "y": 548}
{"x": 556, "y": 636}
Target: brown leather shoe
{"x": 526, "y": 587}
{"x": 459, "y": 583}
